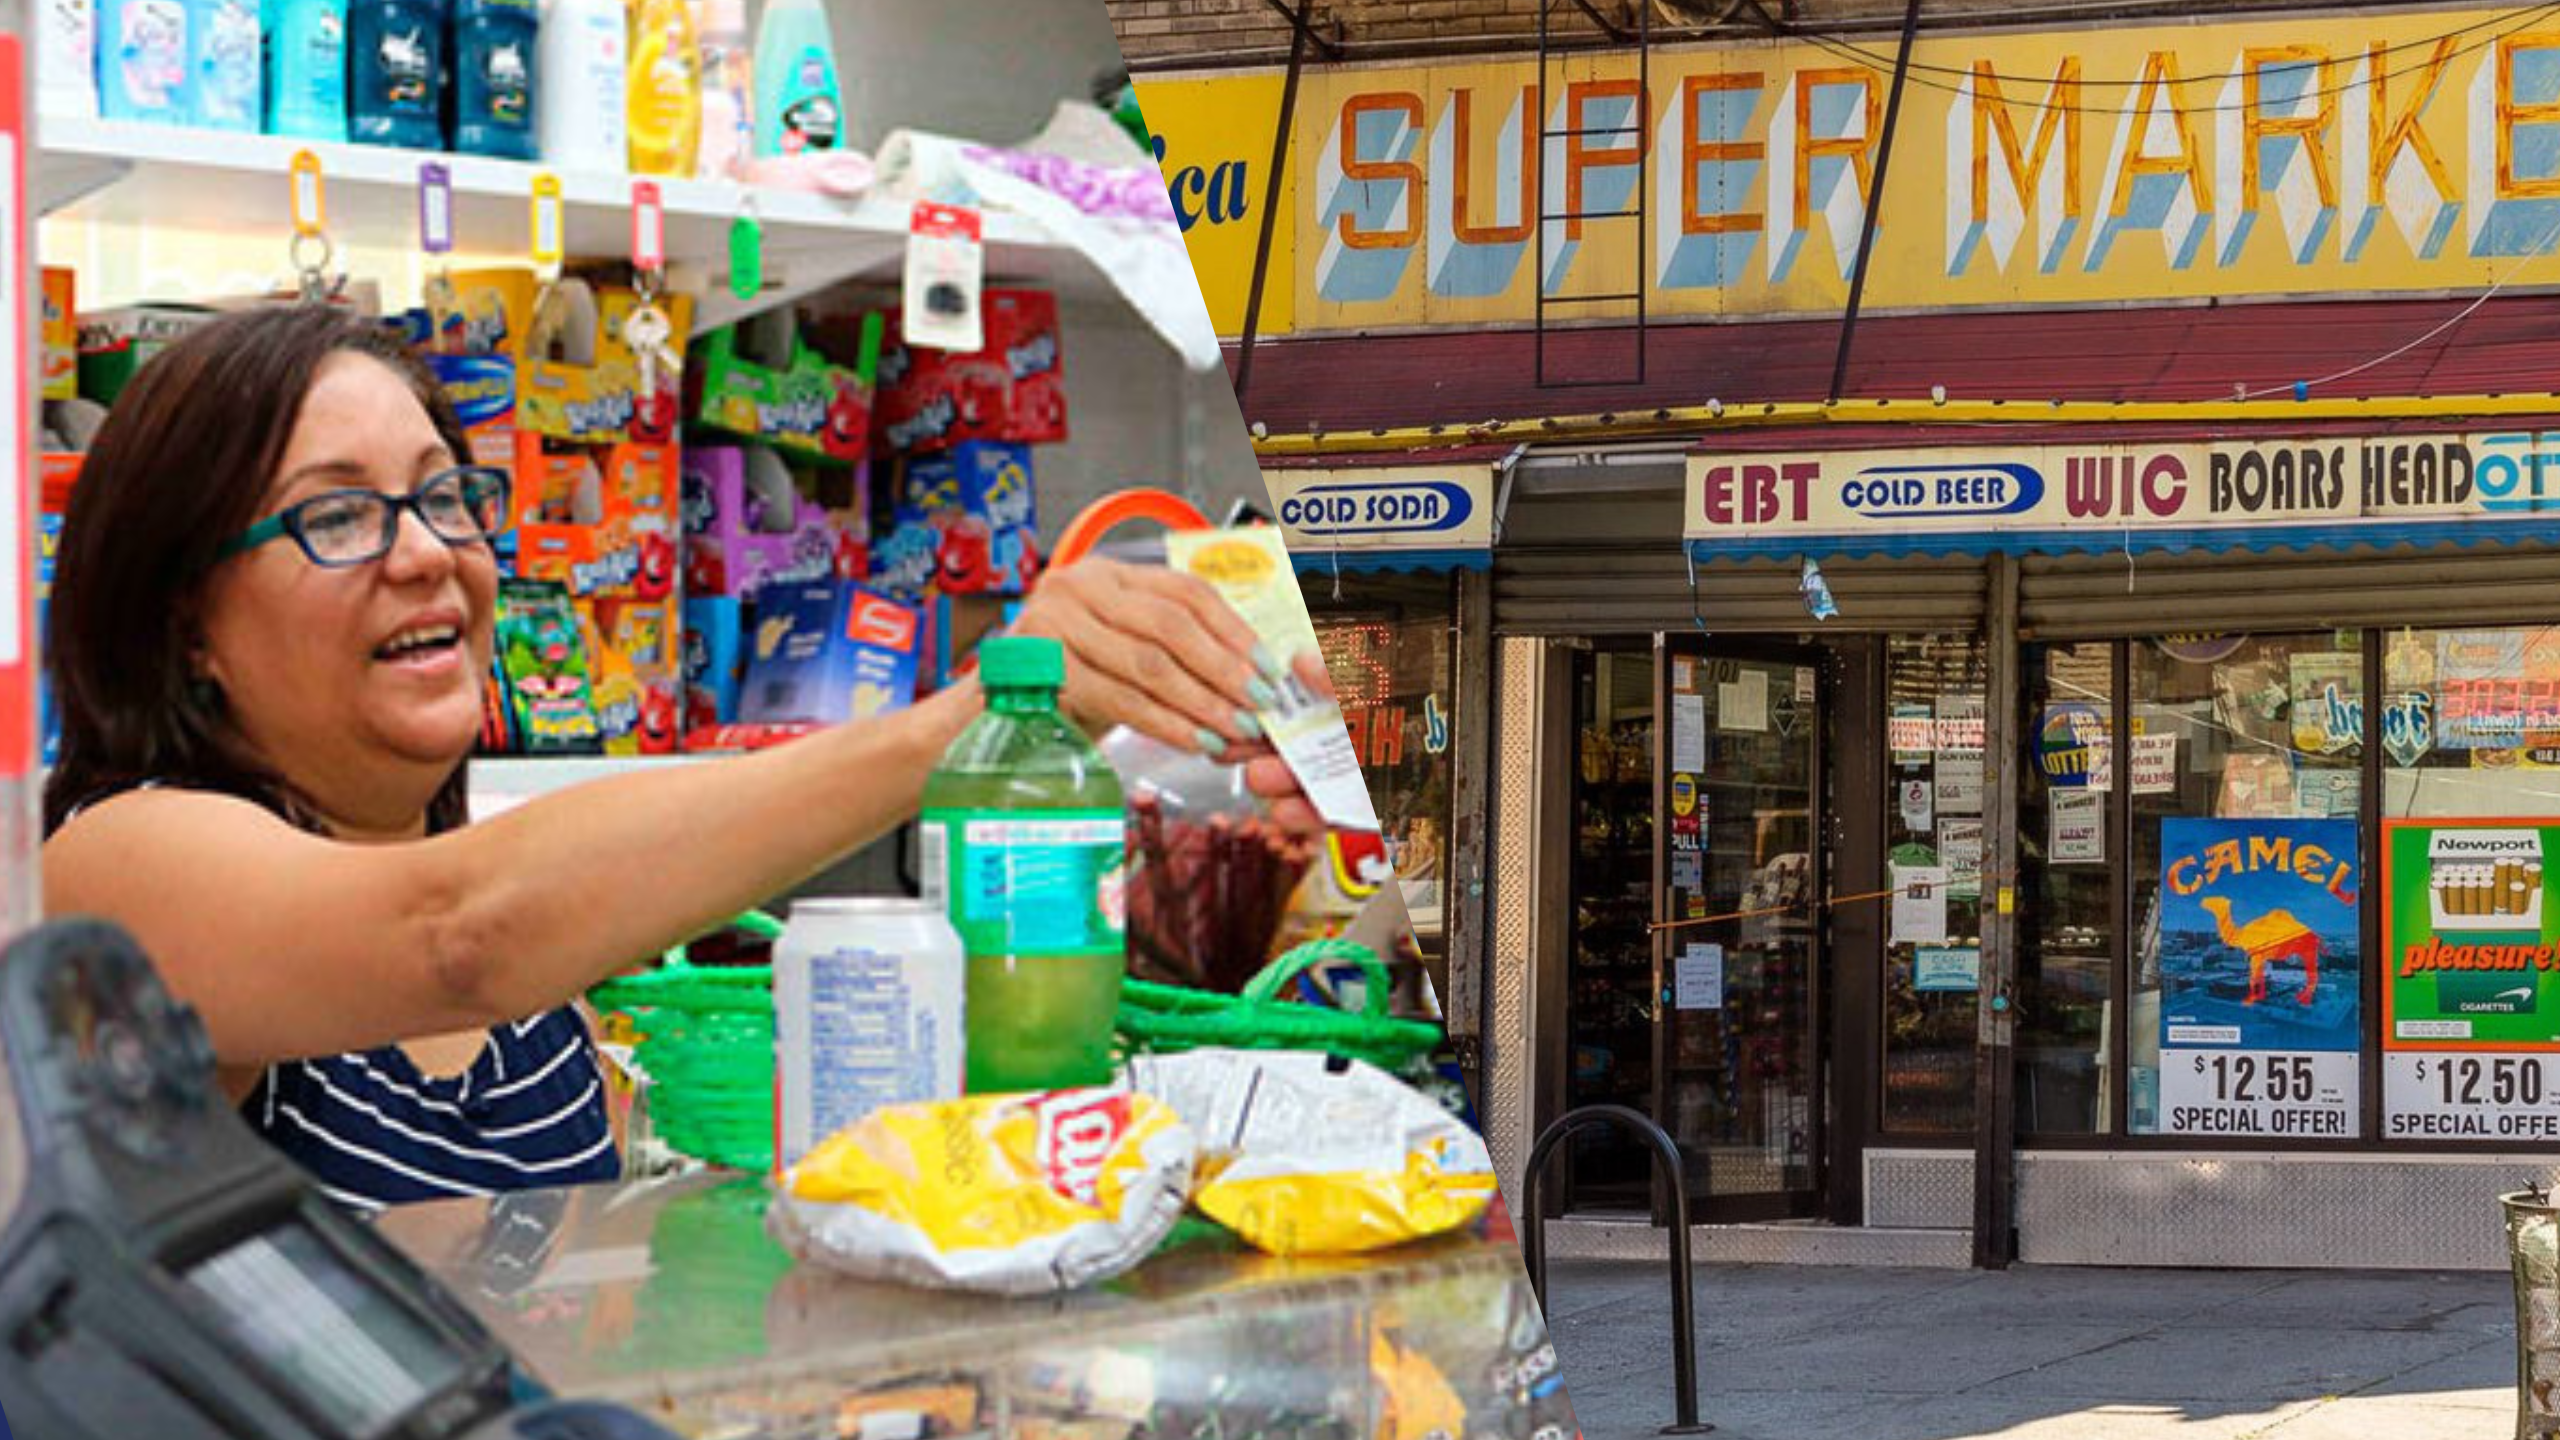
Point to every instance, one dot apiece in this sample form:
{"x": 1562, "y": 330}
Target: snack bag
{"x": 1005, "y": 1194}
{"x": 1301, "y": 1154}
{"x": 1211, "y": 875}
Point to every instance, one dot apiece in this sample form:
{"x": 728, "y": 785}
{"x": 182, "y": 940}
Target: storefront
{"x": 1813, "y": 895}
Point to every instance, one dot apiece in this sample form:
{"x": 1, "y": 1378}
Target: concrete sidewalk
{"x": 1790, "y": 1353}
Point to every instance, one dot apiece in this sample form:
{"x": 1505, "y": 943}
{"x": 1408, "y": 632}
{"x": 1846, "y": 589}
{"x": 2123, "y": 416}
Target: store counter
{"x": 668, "y": 1296}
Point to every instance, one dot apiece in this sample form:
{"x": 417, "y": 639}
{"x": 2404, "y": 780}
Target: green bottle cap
{"x": 1022, "y": 662}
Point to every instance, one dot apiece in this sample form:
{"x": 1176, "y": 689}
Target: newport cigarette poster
{"x": 2471, "y": 980}
{"x": 2260, "y": 977}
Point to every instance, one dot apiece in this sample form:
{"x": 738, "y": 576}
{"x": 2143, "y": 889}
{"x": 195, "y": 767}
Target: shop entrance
{"x": 1696, "y": 966}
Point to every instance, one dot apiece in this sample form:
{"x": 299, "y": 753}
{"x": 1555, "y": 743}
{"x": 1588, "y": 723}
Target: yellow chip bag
{"x": 1302, "y": 1154}
{"x": 1008, "y": 1194}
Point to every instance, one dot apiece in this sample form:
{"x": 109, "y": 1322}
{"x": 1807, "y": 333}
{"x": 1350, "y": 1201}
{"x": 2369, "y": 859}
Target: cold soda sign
{"x": 1435, "y": 508}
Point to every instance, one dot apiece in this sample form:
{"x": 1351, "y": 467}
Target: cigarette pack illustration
{"x": 2486, "y": 880}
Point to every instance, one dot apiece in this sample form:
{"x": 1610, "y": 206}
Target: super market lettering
{"x": 1216, "y": 194}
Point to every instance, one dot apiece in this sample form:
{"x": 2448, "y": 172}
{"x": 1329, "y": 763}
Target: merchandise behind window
{"x": 1390, "y": 648}
{"x": 1934, "y": 821}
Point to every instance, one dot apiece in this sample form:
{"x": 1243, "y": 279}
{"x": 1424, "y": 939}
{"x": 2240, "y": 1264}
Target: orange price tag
{"x": 310, "y": 198}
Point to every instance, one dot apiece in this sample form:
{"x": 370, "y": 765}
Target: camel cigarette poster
{"x": 2261, "y": 976}
{"x": 2471, "y": 987}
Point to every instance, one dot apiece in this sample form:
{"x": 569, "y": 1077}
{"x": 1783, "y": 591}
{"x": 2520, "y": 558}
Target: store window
{"x": 1934, "y": 826}
{"x": 2066, "y": 885}
{"x": 1390, "y": 650}
{"x": 2245, "y": 776}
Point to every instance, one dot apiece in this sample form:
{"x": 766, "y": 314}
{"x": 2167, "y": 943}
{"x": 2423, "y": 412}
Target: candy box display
{"x": 543, "y": 666}
{"x": 482, "y": 389}
{"x": 714, "y": 650}
{"x": 60, "y": 335}
{"x": 747, "y": 525}
{"x": 827, "y": 653}
{"x": 60, "y": 471}
{"x": 603, "y": 522}
{"x": 491, "y": 314}
{"x": 977, "y": 497}
{"x": 582, "y": 382}
{"x": 116, "y": 343}
{"x": 795, "y": 400}
{"x": 1012, "y": 390}
{"x": 636, "y": 674}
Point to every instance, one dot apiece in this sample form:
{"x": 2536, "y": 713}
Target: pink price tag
{"x": 944, "y": 220}
{"x": 648, "y": 226}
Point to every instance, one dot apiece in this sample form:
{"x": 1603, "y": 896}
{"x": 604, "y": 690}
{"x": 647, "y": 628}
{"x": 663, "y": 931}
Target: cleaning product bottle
{"x": 142, "y": 61}
{"x": 307, "y": 68}
{"x": 67, "y": 59}
{"x": 395, "y": 72}
{"x": 664, "y": 89}
{"x": 727, "y": 72}
{"x": 581, "y": 119}
{"x": 1022, "y": 842}
{"x": 494, "y": 101}
{"x": 798, "y": 107}
{"x": 230, "y": 91}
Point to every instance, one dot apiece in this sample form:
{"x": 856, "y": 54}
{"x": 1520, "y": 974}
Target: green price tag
{"x": 746, "y": 258}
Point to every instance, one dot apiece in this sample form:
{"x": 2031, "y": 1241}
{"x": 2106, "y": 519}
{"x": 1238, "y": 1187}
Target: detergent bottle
{"x": 494, "y": 101}
{"x": 307, "y": 68}
{"x": 728, "y": 90}
{"x": 583, "y": 63}
{"x": 143, "y": 72}
{"x": 664, "y": 89}
{"x": 224, "y": 53}
{"x": 799, "y": 109}
{"x": 395, "y": 72}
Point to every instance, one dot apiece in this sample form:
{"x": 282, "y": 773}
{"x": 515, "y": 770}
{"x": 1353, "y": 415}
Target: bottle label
{"x": 152, "y": 53}
{"x": 811, "y": 122}
{"x": 229, "y": 93}
{"x": 407, "y": 62}
{"x": 1015, "y": 883}
{"x": 507, "y": 75}
{"x": 327, "y": 62}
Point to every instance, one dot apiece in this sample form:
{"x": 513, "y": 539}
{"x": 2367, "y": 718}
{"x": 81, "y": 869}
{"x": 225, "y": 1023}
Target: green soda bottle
{"x": 1022, "y": 843}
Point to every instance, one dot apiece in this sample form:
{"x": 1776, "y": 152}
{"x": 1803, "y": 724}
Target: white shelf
{"x": 499, "y": 783}
{"x": 133, "y": 173}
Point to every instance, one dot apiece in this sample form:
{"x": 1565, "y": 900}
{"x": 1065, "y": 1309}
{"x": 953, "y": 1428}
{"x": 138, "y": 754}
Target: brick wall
{"x": 1173, "y": 34}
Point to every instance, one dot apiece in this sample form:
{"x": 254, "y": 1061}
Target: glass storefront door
{"x": 1738, "y": 885}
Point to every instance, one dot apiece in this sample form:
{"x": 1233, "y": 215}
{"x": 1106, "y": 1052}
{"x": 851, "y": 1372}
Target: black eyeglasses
{"x": 462, "y": 506}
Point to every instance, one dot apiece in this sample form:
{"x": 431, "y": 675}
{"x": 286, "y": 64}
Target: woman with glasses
{"x": 272, "y": 613}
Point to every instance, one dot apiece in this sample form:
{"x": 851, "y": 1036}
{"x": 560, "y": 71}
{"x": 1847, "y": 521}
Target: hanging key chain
{"x": 648, "y": 329}
{"x": 311, "y": 251}
{"x": 435, "y": 241}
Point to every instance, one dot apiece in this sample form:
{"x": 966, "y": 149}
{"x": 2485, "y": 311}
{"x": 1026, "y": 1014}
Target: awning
{"x": 2136, "y": 540}
{"x": 1397, "y": 562}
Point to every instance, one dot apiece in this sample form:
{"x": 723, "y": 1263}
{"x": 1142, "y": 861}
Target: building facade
{"x": 1999, "y": 597}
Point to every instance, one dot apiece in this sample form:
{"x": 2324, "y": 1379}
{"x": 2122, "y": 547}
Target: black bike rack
{"x": 1533, "y": 1235}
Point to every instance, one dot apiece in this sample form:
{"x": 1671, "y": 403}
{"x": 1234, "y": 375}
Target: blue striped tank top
{"x": 373, "y": 1131}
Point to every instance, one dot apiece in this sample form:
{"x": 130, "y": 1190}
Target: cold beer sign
{"x": 1437, "y": 508}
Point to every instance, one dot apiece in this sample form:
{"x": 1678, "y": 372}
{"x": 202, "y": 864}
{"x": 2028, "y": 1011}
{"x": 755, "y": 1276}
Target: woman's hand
{"x": 1156, "y": 650}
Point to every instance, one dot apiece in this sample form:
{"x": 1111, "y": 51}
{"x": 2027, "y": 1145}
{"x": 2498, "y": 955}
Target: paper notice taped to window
{"x": 1250, "y": 567}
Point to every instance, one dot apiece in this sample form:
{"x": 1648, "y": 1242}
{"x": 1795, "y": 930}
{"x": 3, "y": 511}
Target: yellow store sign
{"x": 1213, "y": 139}
{"x": 2347, "y": 153}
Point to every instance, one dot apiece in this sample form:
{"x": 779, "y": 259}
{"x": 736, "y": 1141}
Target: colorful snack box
{"x": 826, "y": 653}
{"x": 542, "y": 656}
{"x": 482, "y": 389}
{"x": 600, "y": 400}
{"x": 800, "y": 403}
{"x": 60, "y": 335}
{"x": 714, "y": 652}
{"x": 53, "y": 497}
{"x": 1013, "y": 390}
{"x": 602, "y": 522}
{"x": 978, "y": 497}
{"x": 116, "y": 343}
{"x": 636, "y": 674}
{"x": 747, "y": 525}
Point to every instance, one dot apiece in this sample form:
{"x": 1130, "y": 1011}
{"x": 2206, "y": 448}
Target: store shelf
{"x": 132, "y": 173}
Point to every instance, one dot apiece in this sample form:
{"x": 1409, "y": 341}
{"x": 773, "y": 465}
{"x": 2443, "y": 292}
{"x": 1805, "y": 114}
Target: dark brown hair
{"x": 183, "y": 463}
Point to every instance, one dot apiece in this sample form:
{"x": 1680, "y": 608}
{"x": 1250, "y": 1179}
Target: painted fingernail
{"x": 1263, "y": 661}
{"x": 1264, "y": 697}
{"x": 1248, "y": 727}
{"x": 1212, "y": 744}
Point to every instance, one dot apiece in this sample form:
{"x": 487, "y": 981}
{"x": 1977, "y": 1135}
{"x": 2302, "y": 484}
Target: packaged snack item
{"x": 1210, "y": 877}
{"x": 1012, "y": 390}
{"x": 714, "y": 647}
{"x": 601, "y": 521}
{"x": 762, "y": 380}
{"x": 827, "y": 653}
{"x": 1303, "y": 1154}
{"x": 582, "y": 379}
{"x": 1006, "y": 1194}
{"x": 977, "y": 499}
{"x": 545, "y": 665}
{"x": 61, "y": 335}
{"x": 746, "y": 524}
{"x": 636, "y": 674}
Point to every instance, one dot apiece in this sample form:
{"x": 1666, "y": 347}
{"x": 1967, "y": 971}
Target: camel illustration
{"x": 2275, "y": 935}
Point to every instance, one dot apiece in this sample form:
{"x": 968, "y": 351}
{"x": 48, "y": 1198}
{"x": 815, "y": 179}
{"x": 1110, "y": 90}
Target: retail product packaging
{"x": 543, "y": 664}
{"x": 955, "y": 624}
{"x": 53, "y": 498}
{"x": 482, "y": 389}
{"x": 60, "y": 335}
{"x": 116, "y": 343}
{"x": 603, "y": 522}
{"x": 143, "y": 70}
{"x": 762, "y": 380}
{"x": 976, "y": 500}
{"x": 1012, "y": 390}
{"x": 66, "y": 67}
{"x": 827, "y": 653}
{"x": 1004, "y": 1194}
{"x": 1209, "y": 876}
{"x": 583, "y": 381}
{"x": 1305, "y": 1154}
{"x": 1250, "y": 567}
{"x": 714, "y": 661}
{"x": 747, "y": 525}
{"x": 635, "y": 673}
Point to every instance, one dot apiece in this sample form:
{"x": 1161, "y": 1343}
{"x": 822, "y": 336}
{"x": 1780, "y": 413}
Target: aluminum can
{"x": 867, "y": 998}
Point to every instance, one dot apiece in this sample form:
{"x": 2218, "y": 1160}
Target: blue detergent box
{"x": 829, "y": 652}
